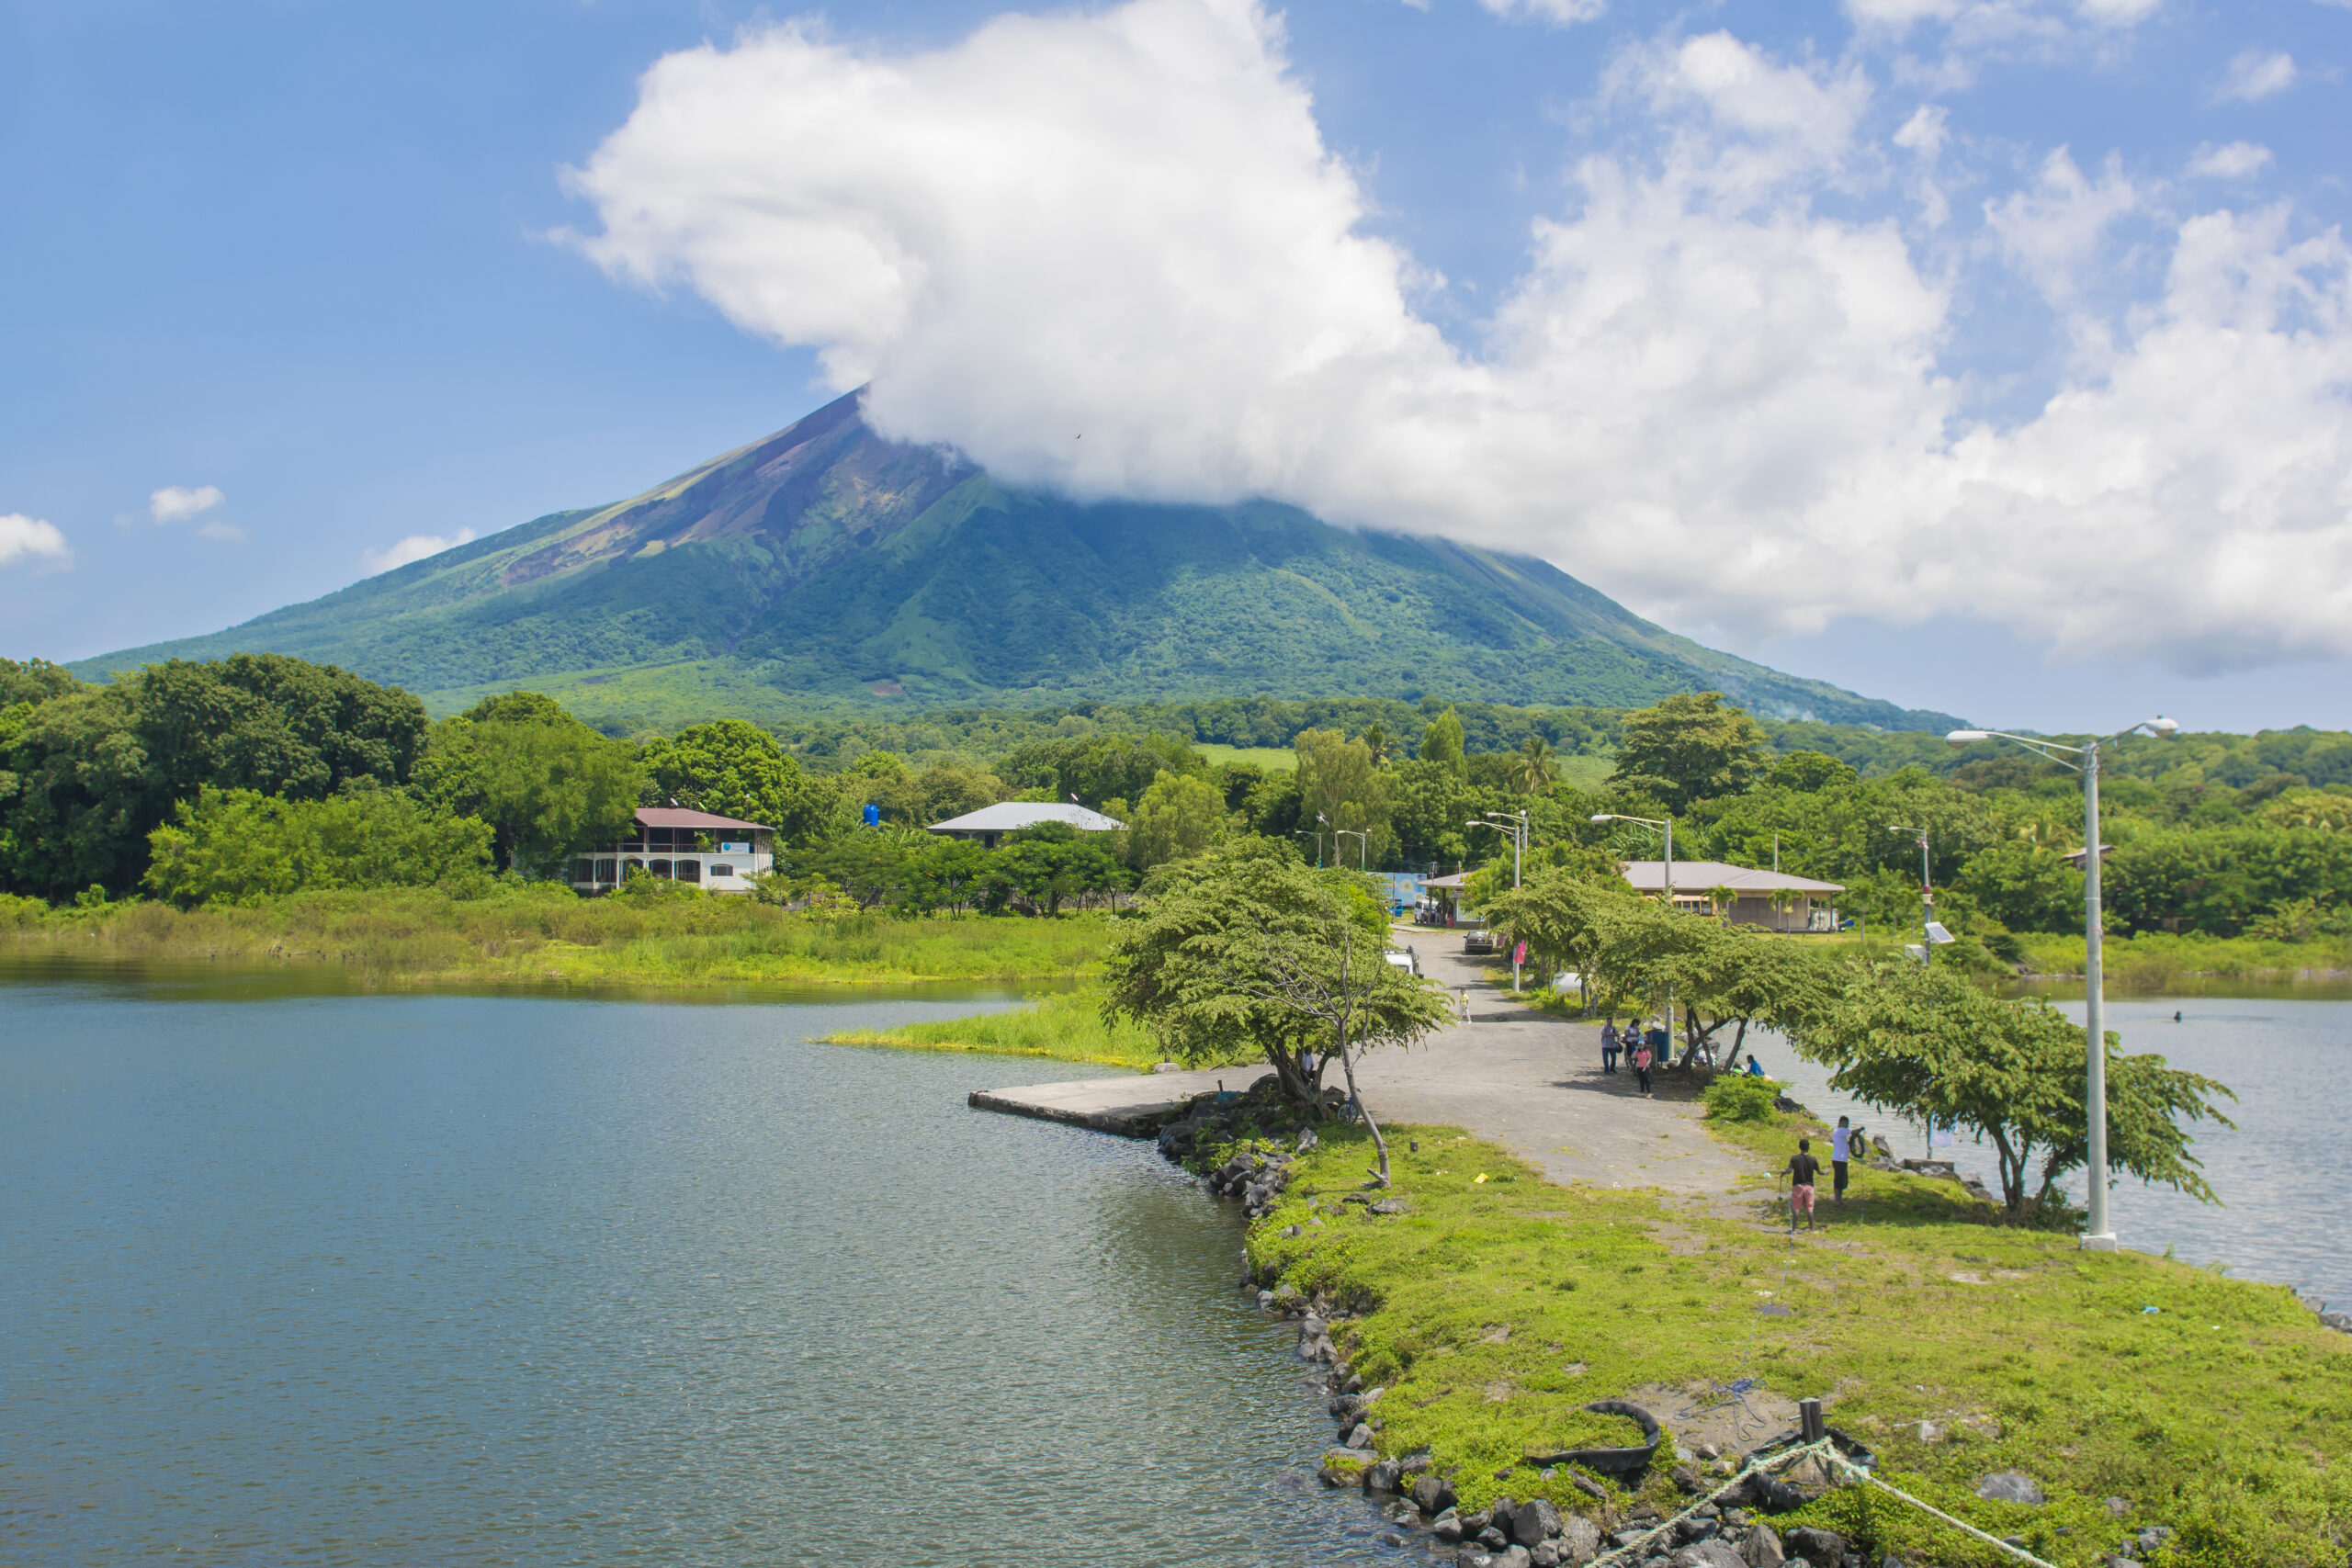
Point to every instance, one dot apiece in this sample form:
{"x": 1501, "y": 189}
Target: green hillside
{"x": 826, "y": 567}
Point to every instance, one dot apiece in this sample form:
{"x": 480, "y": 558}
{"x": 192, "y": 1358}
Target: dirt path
{"x": 1533, "y": 1084}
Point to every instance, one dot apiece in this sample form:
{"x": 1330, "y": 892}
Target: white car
{"x": 1406, "y": 961}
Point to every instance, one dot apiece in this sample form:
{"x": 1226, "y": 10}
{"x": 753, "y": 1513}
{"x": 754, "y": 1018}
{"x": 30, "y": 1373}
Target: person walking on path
{"x": 1642, "y": 1066}
{"x": 1608, "y": 1047}
{"x": 1802, "y": 1168}
{"x": 1841, "y": 1142}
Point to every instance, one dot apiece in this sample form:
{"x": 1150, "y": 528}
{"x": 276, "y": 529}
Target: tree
{"x": 1375, "y": 741}
{"x": 1924, "y": 1042}
{"x": 731, "y": 768}
{"x": 1534, "y": 769}
{"x": 548, "y": 784}
{"x": 1053, "y": 861}
{"x": 1442, "y": 742}
{"x": 239, "y": 846}
{"x": 2026, "y": 887}
{"x": 1689, "y": 747}
{"x": 87, "y": 773}
{"x": 1808, "y": 773}
{"x": 1245, "y": 951}
{"x": 1340, "y": 790}
{"x": 1177, "y": 817}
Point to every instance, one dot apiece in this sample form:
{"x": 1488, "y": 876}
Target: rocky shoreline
{"x": 1242, "y": 1145}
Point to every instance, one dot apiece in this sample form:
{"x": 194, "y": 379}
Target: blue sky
{"x": 1752, "y": 315}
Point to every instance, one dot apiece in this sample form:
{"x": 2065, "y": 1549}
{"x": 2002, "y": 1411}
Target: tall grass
{"x": 2156, "y": 961}
{"x": 550, "y": 936}
{"x": 1065, "y": 1028}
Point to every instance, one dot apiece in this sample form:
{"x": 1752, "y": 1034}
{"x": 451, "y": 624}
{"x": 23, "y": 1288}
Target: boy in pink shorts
{"x": 1802, "y": 1169}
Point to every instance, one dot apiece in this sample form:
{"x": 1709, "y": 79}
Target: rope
{"x": 2019, "y": 1552}
{"x": 1642, "y": 1541}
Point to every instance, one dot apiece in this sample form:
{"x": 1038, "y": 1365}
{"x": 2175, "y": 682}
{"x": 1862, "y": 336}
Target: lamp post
{"x": 1927, "y": 895}
{"x": 2097, "y": 1235}
{"x": 1517, "y": 827}
{"x": 1363, "y": 846}
{"x": 1315, "y": 833}
{"x": 1665, "y": 826}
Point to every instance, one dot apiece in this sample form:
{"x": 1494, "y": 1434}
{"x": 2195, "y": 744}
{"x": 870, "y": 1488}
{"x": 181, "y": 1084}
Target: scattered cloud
{"x": 1559, "y": 13}
{"x": 178, "y": 503}
{"x": 2234, "y": 161}
{"x": 2253, "y": 75}
{"x": 414, "y": 548}
{"x": 221, "y": 532}
{"x": 1716, "y": 390}
{"x": 30, "y": 540}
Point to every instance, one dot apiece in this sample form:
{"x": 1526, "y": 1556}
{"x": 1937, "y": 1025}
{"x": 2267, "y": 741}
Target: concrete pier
{"x": 1133, "y": 1105}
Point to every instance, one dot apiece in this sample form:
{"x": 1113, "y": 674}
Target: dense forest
{"x": 259, "y": 774}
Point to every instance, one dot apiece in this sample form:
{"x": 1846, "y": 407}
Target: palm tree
{"x": 1536, "y": 767}
{"x": 1722, "y": 898}
{"x": 1375, "y": 741}
{"x": 1783, "y": 900}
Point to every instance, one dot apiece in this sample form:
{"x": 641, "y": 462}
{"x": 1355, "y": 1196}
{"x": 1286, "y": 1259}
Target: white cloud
{"x": 414, "y": 548}
{"x": 2253, "y": 75}
{"x": 32, "y": 540}
{"x": 1709, "y": 393}
{"x": 2051, "y": 231}
{"x": 178, "y": 503}
{"x": 1559, "y": 13}
{"x": 221, "y": 532}
{"x": 2233, "y": 162}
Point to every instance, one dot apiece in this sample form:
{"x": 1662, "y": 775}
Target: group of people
{"x": 1644, "y": 1049}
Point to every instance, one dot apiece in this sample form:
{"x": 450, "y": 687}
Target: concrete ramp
{"x": 1132, "y": 1105}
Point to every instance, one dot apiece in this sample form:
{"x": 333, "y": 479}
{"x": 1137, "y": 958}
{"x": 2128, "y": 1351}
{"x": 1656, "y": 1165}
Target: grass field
{"x": 1497, "y": 1308}
{"x": 546, "y": 936}
{"x": 1065, "y": 1028}
{"x": 2157, "y": 961}
{"x": 1274, "y": 759}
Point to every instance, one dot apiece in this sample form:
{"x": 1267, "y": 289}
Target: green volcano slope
{"x": 827, "y": 566}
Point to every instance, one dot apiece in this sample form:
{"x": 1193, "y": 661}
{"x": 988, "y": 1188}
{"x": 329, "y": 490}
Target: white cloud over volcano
{"x": 1111, "y": 253}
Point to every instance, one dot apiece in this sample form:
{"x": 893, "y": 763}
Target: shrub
{"x": 1739, "y": 1097}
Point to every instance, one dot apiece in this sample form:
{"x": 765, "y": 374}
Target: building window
{"x": 689, "y": 871}
{"x": 659, "y": 868}
{"x": 606, "y": 871}
{"x": 722, "y": 868}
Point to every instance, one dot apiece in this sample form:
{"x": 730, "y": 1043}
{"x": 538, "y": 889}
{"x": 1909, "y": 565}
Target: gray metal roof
{"x": 1009, "y": 815}
{"x": 1698, "y": 875}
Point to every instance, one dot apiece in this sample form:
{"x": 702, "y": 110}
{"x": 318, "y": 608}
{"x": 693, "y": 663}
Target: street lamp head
{"x": 1968, "y": 737}
{"x": 2161, "y": 725}
{"x": 1603, "y": 817}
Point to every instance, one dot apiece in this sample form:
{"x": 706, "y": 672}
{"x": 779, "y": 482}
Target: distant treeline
{"x": 260, "y": 775}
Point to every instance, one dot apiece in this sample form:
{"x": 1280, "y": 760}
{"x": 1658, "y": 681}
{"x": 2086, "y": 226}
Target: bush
{"x": 1741, "y": 1097}
{"x": 239, "y": 846}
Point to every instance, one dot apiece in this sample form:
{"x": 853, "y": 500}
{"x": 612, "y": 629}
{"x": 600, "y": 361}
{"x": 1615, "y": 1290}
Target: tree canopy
{"x": 1688, "y": 747}
{"x": 734, "y": 769}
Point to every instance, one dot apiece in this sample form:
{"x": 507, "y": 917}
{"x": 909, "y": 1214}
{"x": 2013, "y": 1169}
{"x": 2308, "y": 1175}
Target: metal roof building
{"x": 990, "y": 822}
{"x": 1752, "y": 891}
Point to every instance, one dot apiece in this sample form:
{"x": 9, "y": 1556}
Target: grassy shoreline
{"x": 1065, "y": 1028}
{"x": 1494, "y": 1309}
{"x": 2155, "y": 960}
{"x": 549, "y": 937}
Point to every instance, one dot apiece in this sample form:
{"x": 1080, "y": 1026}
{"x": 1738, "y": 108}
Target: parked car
{"x": 1480, "y": 944}
{"x": 1405, "y": 958}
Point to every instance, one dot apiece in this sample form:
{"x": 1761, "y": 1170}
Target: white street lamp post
{"x": 1363, "y": 846}
{"x": 1926, "y": 897}
{"x": 2098, "y": 1236}
{"x": 1517, "y": 827}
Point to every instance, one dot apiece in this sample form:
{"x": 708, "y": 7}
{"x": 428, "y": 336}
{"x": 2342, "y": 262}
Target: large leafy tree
{"x": 1927, "y": 1043}
{"x": 1689, "y": 747}
{"x": 548, "y": 784}
{"x": 1443, "y": 743}
{"x": 736, "y": 769}
{"x": 1340, "y": 790}
{"x": 1244, "y": 951}
{"x": 1178, "y": 816}
{"x": 91, "y": 770}
{"x": 1043, "y": 865}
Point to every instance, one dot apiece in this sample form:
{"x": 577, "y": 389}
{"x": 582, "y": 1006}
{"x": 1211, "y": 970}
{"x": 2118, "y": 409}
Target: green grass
{"x": 546, "y": 936}
{"x": 1067, "y": 1028}
{"x": 1274, "y": 759}
{"x": 1493, "y": 1311}
{"x": 2159, "y": 961}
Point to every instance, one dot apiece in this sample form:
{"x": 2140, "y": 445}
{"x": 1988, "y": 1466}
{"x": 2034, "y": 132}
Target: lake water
{"x": 473, "y": 1280}
{"x": 2281, "y": 1174}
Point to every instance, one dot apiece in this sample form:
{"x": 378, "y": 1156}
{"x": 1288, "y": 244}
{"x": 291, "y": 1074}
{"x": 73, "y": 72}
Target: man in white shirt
{"x": 1840, "y": 1145}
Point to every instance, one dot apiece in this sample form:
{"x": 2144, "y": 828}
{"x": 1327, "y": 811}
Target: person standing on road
{"x": 1609, "y": 1045}
{"x": 1802, "y": 1168}
{"x": 1841, "y": 1143}
{"x": 1641, "y": 1060}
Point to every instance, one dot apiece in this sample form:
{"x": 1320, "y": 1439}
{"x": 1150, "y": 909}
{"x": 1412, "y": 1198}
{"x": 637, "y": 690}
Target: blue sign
{"x": 872, "y": 816}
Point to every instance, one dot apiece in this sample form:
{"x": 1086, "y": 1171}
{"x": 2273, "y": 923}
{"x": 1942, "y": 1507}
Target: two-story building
{"x": 719, "y": 854}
